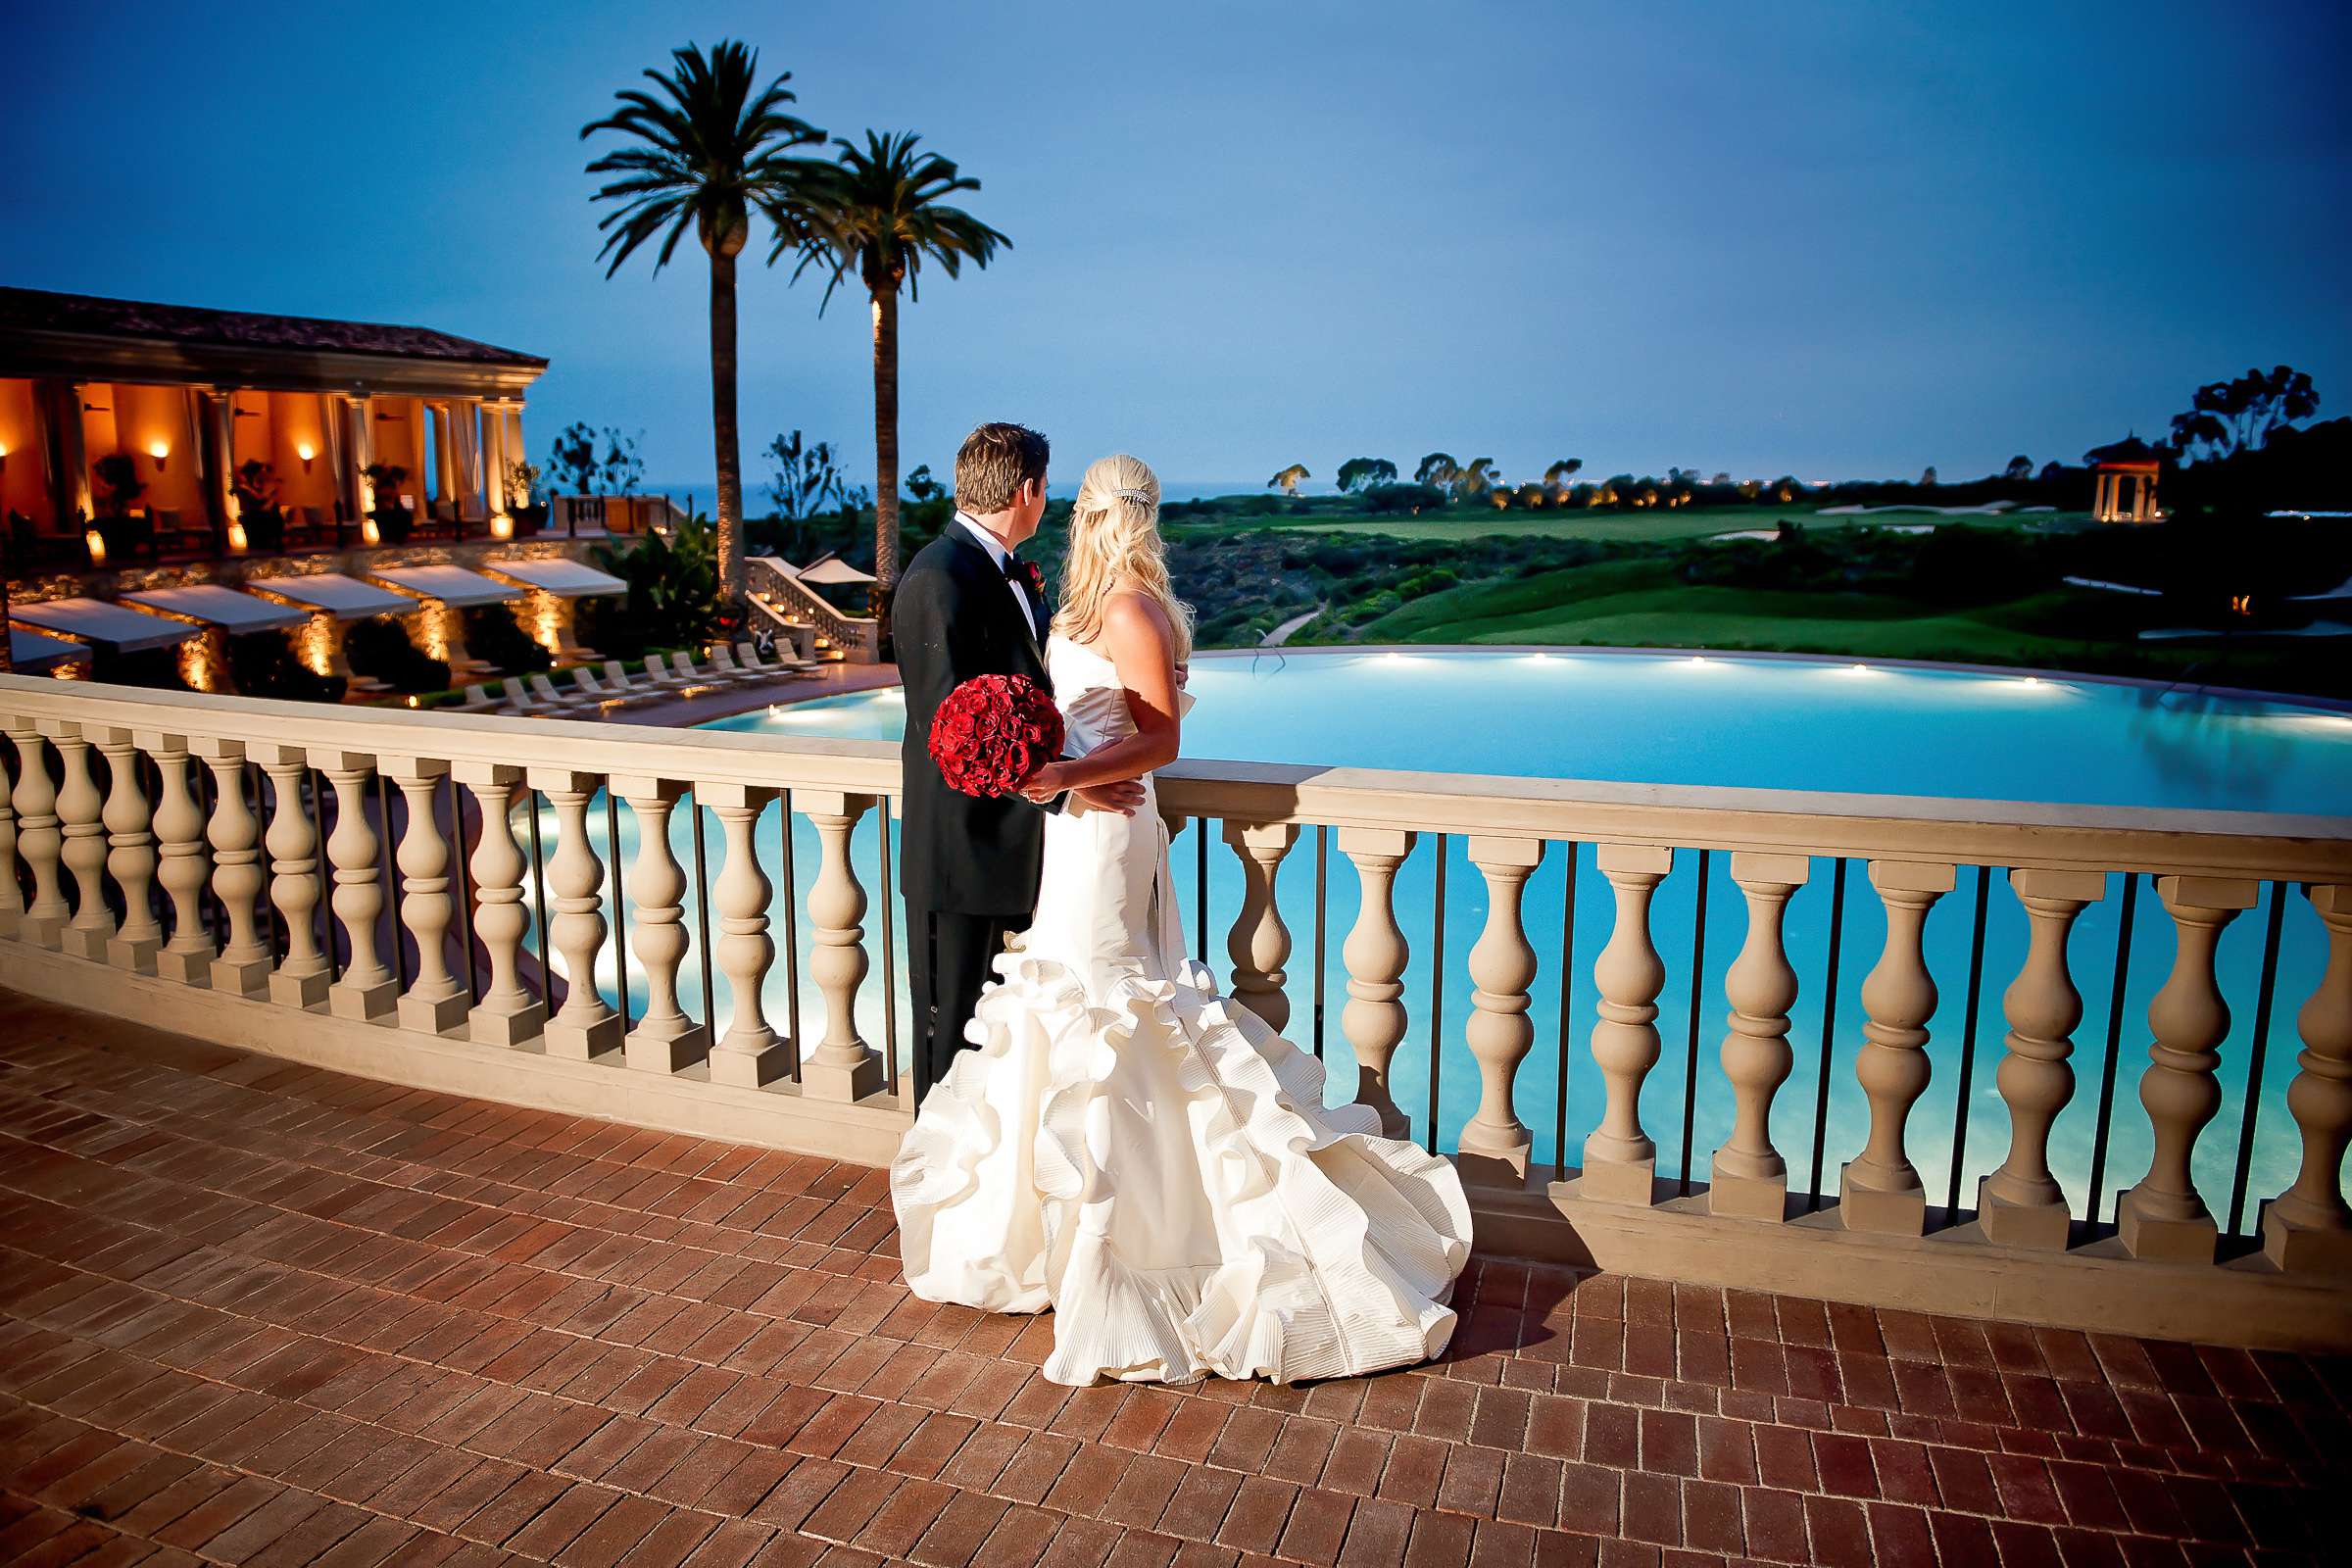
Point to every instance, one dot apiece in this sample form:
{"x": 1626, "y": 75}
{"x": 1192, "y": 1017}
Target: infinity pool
{"x": 1776, "y": 723}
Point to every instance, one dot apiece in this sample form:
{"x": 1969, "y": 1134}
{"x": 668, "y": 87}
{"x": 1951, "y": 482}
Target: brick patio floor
{"x": 253, "y": 1313}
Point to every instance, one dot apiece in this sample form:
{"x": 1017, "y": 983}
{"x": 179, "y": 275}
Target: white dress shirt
{"x": 999, "y": 555}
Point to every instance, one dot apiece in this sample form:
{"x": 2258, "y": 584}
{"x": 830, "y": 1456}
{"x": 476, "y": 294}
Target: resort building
{"x": 2129, "y": 467}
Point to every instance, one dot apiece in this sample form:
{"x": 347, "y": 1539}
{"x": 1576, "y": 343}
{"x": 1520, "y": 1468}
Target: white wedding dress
{"x": 1147, "y": 1157}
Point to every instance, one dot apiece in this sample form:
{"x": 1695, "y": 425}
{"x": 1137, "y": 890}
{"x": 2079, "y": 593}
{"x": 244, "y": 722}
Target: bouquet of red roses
{"x": 992, "y": 733}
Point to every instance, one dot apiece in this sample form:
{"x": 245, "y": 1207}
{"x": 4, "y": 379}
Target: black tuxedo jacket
{"x": 952, "y": 618}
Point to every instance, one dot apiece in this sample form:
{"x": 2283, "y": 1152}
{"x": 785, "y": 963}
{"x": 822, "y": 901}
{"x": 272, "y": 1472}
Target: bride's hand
{"x": 1043, "y": 784}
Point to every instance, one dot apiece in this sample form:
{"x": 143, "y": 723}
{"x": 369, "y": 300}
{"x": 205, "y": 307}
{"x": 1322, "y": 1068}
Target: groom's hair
{"x": 993, "y": 462}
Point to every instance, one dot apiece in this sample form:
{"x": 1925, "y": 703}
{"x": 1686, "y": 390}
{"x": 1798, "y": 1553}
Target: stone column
{"x": 1879, "y": 1189}
{"x": 1748, "y": 1177}
{"x": 244, "y": 967}
{"x": 842, "y": 1066}
{"x": 2307, "y": 1229}
{"x": 585, "y": 1026}
{"x": 38, "y": 839}
{"x": 353, "y": 454}
{"x": 179, "y": 829}
{"x": 436, "y": 1000}
{"x": 508, "y": 1015}
{"x": 664, "y": 1039}
{"x": 1260, "y": 944}
{"x": 494, "y": 459}
{"x": 218, "y": 456}
{"x": 2164, "y": 1217}
{"x": 2021, "y": 1204}
{"x": 1495, "y": 1144}
{"x": 12, "y": 898}
{"x": 302, "y": 978}
{"x": 130, "y": 853}
{"x": 445, "y": 466}
{"x": 366, "y": 991}
{"x": 80, "y": 813}
{"x": 1620, "y": 1160}
{"x": 1375, "y": 953}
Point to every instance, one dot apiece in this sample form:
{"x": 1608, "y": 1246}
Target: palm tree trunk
{"x": 724, "y": 428}
{"x": 886, "y": 442}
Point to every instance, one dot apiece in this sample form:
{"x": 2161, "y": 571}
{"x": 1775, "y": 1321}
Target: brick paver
{"x": 254, "y": 1313}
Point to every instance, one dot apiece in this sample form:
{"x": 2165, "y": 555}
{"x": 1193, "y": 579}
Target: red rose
{"x": 994, "y": 732}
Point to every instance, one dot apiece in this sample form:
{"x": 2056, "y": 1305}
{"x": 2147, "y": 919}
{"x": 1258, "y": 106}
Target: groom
{"x": 967, "y": 606}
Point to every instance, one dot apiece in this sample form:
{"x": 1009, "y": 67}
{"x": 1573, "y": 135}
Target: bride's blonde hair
{"x": 1115, "y": 539}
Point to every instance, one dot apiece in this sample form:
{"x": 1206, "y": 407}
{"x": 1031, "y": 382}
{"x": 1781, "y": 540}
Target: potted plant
{"x": 393, "y": 522}
{"x": 265, "y": 521}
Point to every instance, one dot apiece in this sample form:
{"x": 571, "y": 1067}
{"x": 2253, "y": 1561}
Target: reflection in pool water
{"x": 1725, "y": 721}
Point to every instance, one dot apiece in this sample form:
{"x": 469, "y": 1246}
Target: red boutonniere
{"x": 1031, "y": 573}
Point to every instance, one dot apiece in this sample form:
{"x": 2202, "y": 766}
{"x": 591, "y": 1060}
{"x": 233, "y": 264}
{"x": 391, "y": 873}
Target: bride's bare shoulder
{"x": 1131, "y": 615}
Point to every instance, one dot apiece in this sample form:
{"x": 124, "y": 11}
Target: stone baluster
{"x": 1620, "y": 1160}
{"x": 508, "y": 1014}
{"x": 301, "y": 977}
{"x": 367, "y": 990}
{"x": 130, "y": 853}
{"x": 436, "y": 1000}
{"x": 12, "y": 897}
{"x": 80, "y": 813}
{"x": 1375, "y": 954}
{"x": 38, "y": 840}
{"x": 842, "y": 1066}
{"x": 585, "y": 1026}
{"x": 1879, "y": 1189}
{"x": 1260, "y": 944}
{"x": 2164, "y": 1217}
{"x": 2307, "y": 1229}
{"x": 185, "y": 866}
{"x": 2021, "y": 1204}
{"x": 1495, "y": 1144}
{"x": 244, "y": 967}
{"x": 1748, "y": 1177}
{"x": 664, "y": 1039}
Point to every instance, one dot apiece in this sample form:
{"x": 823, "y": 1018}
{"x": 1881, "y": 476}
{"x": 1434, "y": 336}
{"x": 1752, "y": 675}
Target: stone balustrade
{"x": 372, "y": 891}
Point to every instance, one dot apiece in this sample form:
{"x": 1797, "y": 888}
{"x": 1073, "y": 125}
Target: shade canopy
{"x": 833, "y": 570}
{"x": 344, "y": 597}
{"x": 566, "y": 579}
{"x": 219, "y": 607}
{"x": 28, "y": 651}
{"x": 94, "y": 620}
{"x": 453, "y": 586}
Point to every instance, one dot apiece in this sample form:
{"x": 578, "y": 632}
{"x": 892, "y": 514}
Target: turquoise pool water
{"x": 1787, "y": 724}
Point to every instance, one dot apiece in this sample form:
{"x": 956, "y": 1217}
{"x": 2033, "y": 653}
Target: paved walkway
{"x": 254, "y": 1313}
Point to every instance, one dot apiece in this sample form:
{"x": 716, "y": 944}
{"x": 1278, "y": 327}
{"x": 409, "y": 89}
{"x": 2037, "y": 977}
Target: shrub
{"x": 380, "y": 648}
{"x": 262, "y": 665}
{"x": 493, "y": 635}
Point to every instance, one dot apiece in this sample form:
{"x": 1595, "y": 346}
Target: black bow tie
{"x": 1015, "y": 568}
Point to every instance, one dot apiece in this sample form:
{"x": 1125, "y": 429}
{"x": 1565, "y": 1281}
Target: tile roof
{"x": 33, "y": 310}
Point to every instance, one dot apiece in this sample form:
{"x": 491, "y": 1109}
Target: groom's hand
{"x": 1122, "y": 795}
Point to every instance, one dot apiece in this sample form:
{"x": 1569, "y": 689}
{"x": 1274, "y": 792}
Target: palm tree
{"x": 710, "y": 149}
{"x": 879, "y": 210}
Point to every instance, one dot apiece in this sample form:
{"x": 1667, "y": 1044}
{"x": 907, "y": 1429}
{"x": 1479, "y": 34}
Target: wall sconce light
{"x": 96, "y": 542}
{"x": 161, "y": 452}
{"x": 305, "y": 452}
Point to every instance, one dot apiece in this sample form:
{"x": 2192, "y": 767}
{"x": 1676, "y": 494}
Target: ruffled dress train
{"x": 1147, "y": 1157}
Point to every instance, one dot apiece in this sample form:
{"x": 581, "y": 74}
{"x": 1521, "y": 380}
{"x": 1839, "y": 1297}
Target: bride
{"x": 1127, "y": 1145}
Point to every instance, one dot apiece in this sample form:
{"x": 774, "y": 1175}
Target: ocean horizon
{"x": 704, "y": 497}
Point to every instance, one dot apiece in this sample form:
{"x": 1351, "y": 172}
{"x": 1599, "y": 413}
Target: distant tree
{"x": 1361, "y": 473}
{"x": 622, "y": 469}
{"x": 1927, "y": 477}
{"x": 1286, "y": 482}
{"x": 804, "y": 480}
{"x": 2052, "y": 473}
{"x": 921, "y": 486}
{"x": 2226, "y": 418}
{"x": 1721, "y": 478}
{"x": 1438, "y": 469}
{"x": 1561, "y": 468}
{"x": 1533, "y": 495}
{"x": 572, "y": 464}
{"x": 2020, "y": 467}
{"x": 1682, "y": 476}
{"x": 1476, "y": 478}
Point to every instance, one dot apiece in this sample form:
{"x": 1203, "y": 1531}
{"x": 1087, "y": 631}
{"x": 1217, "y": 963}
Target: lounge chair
{"x": 724, "y": 668}
{"x": 786, "y": 662}
{"x": 691, "y": 678}
{"x": 557, "y": 699}
{"x": 587, "y": 690}
{"x": 478, "y": 701}
{"x": 628, "y": 687}
{"x": 520, "y": 701}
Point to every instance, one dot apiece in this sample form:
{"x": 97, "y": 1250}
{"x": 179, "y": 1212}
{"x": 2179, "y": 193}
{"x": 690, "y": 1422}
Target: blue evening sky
{"x": 1834, "y": 240}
